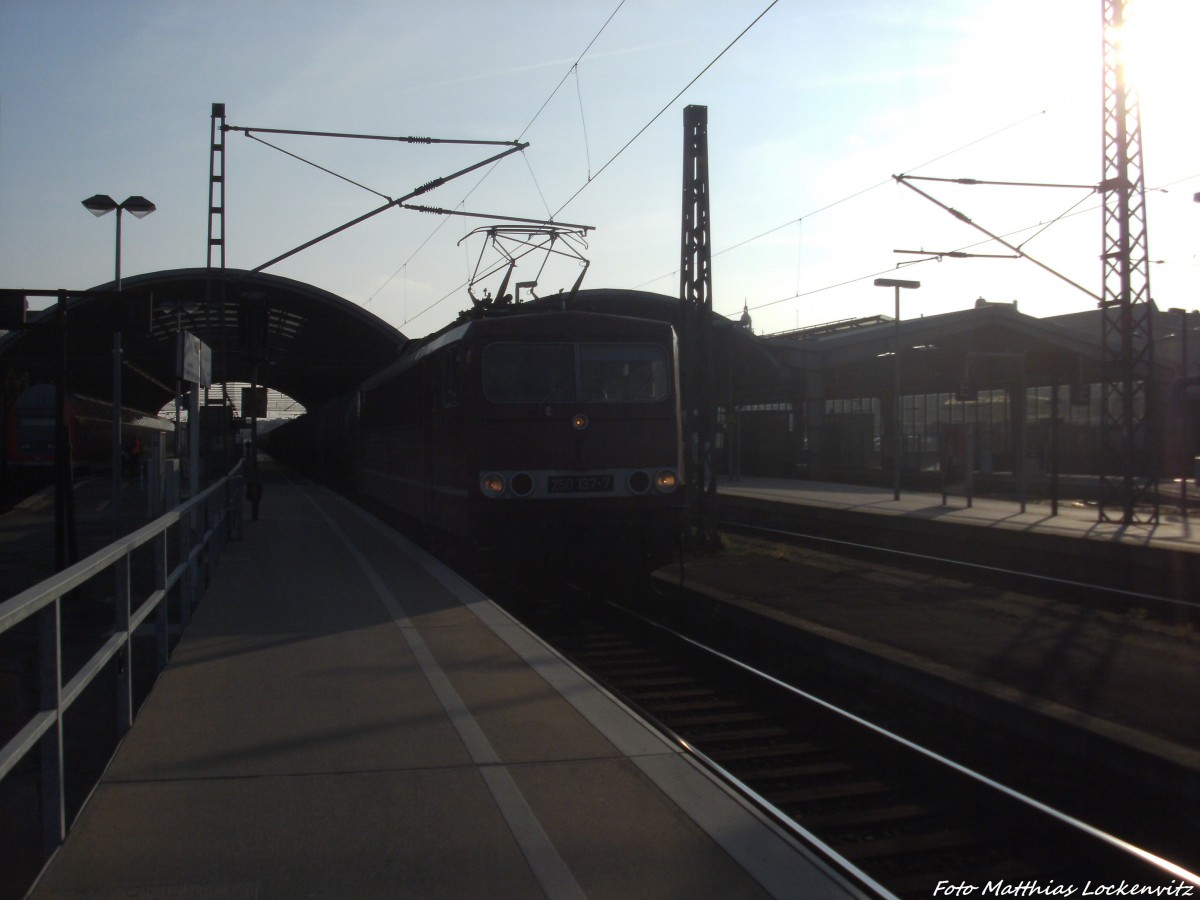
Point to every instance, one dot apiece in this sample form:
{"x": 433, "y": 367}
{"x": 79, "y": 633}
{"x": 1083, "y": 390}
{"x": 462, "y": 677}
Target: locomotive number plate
{"x": 579, "y": 484}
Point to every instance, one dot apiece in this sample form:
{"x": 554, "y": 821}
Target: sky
{"x": 813, "y": 107}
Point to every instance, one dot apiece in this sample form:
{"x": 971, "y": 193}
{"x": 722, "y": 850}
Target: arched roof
{"x": 992, "y": 343}
{"x": 623, "y": 302}
{"x": 318, "y": 345}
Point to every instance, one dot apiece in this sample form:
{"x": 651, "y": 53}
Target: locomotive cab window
{"x": 622, "y": 373}
{"x": 529, "y": 373}
{"x": 570, "y": 373}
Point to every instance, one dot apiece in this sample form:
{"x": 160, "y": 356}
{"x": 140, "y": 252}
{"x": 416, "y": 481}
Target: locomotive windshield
{"x": 572, "y": 373}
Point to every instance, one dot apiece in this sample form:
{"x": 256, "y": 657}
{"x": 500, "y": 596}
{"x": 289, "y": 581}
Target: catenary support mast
{"x": 695, "y": 322}
{"x": 1128, "y": 480}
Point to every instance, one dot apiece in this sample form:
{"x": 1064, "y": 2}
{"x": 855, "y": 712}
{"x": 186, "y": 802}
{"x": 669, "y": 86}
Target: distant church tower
{"x": 745, "y": 320}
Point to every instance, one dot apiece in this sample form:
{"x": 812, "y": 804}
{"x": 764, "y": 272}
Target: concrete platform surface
{"x": 346, "y": 718}
{"x": 1073, "y": 519}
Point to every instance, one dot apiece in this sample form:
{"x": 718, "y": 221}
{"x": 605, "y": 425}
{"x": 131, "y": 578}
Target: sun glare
{"x": 1149, "y": 45}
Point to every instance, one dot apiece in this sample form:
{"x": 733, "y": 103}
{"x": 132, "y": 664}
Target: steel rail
{"x": 1143, "y": 855}
{"x": 998, "y": 570}
{"x": 796, "y": 831}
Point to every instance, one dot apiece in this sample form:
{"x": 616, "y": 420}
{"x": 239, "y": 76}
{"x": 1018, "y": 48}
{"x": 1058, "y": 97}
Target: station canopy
{"x": 308, "y": 343}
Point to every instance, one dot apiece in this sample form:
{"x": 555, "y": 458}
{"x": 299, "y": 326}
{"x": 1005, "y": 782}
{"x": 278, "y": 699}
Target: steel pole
{"x": 898, "y": 414}
{"x": 1184, "y": 423}
{"x": 116, "y": 390}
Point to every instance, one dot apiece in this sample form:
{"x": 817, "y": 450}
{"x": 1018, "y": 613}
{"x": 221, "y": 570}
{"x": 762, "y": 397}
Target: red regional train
{"x": 29, "y": 430}
{"x": 533, "y": 434}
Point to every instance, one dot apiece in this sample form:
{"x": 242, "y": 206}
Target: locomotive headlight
{"x": 492, "y": 484}
{"x": 666, "y": 481}
{"x": 579, "y": 421}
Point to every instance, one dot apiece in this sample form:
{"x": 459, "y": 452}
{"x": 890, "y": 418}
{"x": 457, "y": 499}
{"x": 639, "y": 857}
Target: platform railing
{"x": 202, "y": 525}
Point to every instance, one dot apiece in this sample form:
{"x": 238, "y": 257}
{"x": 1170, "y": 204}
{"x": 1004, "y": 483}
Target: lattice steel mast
{"x": 695, "y": 323}
{"x": 1128, "y": 479}
{"x": 216, "y": 187}
{"x": 216, "y": 233}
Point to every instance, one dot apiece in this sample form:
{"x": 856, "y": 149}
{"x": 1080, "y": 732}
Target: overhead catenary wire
{"x": 937, "y": 257}
{"x": 798, "y": 220}
{"x": 574, "y": 68}
{"x": 858, "y": 193}
{"x": 416, "y": 192}
{"x": 524, "y": 131}
{"x": 545, "y": 204}
{"x": 587, "y": 152}
{"x": 639, "y": 132}
{"x": 667, "y": 106}
{"x": 1069, "y": 211}
{"x": 933, "y": 257}
{"x": 309, "y": 162}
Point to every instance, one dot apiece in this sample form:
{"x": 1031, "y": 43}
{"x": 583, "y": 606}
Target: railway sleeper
{"x": 834, "y": 818}
{"x": 906, "y": 844}
{"x": 799, "y": 796}
{"x": 645, "y": 670}
{"x": 917, "y": 884}
{"x": 806, "y": 770}
{"x": 719, "y": 719}
{"x": 685, "y": 705}
{"x": 603, "y": 653}
{"x": 913, "y": 874}
{"x": 675, "y": 681}
{"x": 741, "y": 736}
{"x": 652, "y": 696}
{"x": 769, "y": 751}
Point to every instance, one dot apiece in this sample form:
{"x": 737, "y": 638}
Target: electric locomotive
{"x": 541, "y": 435}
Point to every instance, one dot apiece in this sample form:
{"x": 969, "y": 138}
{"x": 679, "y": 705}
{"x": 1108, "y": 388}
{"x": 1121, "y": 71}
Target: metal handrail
{"x": 206, "y": 522}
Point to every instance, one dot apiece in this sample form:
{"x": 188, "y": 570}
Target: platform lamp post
{"x": 898, "y": 413}
{"x": 99, "y": 205}
{"x": 1184, "y": 420}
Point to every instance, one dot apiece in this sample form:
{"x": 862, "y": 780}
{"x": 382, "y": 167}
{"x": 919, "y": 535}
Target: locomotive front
{"x": 577, "y": 438}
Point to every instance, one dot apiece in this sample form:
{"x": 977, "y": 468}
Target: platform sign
{"x": 254, "y": 402}
{"x": 194, "y": 360}
{"x": 13, "y": 308}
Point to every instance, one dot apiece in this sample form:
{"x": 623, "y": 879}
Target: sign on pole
{"x": 194, "y": 360}
{"x": 254, "y": 402}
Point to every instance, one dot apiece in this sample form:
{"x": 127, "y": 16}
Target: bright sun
{"x": 1151, "y": 45}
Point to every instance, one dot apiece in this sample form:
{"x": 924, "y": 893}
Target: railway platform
{"x": 1073, "y": 519}
{"x": 345, "y": 717}
{"x": 1157, "y": 558}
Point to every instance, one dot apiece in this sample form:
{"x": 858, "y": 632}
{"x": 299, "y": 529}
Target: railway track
{"x": 909, "y": 821}
{"x": 1098, "y": 592}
